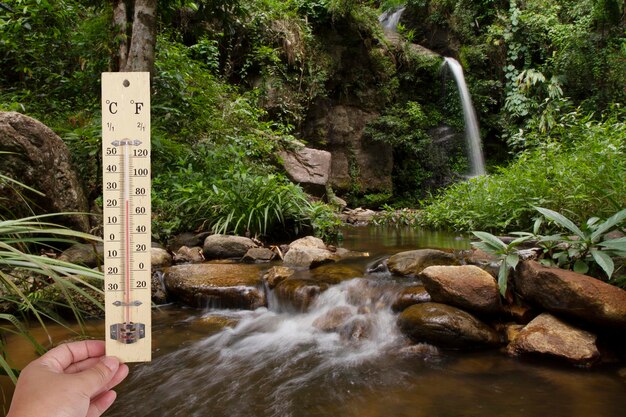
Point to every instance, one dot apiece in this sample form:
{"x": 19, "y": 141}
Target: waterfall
{"x": 390, "y": 19}
{"x": 472, "y": 135}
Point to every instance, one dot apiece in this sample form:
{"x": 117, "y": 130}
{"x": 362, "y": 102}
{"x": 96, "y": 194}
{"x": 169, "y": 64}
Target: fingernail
{"x": 110, "y": 362}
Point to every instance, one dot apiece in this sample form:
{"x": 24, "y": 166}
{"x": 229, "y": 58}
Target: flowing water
{"x": 472, "y": 134}
{"x": 273, "y": 362}
{"x": 389, "y": 20}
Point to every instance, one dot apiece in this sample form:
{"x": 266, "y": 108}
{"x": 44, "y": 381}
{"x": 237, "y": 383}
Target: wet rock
{"x": 87, "y": 254}
{"x": 226, "y": 246}
{"x": 36, "y": 157}
{"x": 187, "y": 254}
{"x": 158, "y": 293}
{"x": 276, "y": 275}
{"x": 308, "y": 252}
{"x": 415, "y": 261}
{"x": 215, "y": 285}
{"x": 466, "y": 286}
{"x": 309, "y": 168}
{"x": 160, "y": 258}
{"x": 358, "y": 216}
{"x": 258, "y": 255}
{"x": 547, "y": 335}
{"x": 520, "y": 313}
{"x": 336, "y": 272}
{"x": 446, "y": 326}
{"x": 357, "y": 329}
{"x": 414, "y": 294}
{"x": 333, "y": 319}
{"x": 298, "y": 294}
{"x": 379, "y": 267}
{"x": 571, "y": 294}
{"x": 420, "y": 350}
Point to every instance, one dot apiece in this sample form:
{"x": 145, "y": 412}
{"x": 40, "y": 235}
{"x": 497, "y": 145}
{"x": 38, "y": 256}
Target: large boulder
{"x": 308, "y": 252}
{"x": 35, "y": 156}
{"x": 216, "y": 285}
{"x": 356, "y": 161}
{"x": 86, "y": 254}
{"x": 572, "y": 295}
{"x": 160, "y": 258}
{"x": 308, "y": 167}
{"x": 298, "y": 294}
{"x": 547, "y": 335}
{"x": 446, "y": 326}
{"x": 465, "y": 286}
{"x": 414, "y": 294}
{"x": 277, "y": 274}
{"x": 415, "y": 261}
{"x": 226, "y": 246}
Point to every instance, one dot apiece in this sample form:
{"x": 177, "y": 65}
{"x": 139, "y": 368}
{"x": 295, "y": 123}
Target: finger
{"x": 120, "y": 375}
{"x": 81, "y": 366}
{"x": 101, "y": 403}
{"x": 64, "y": 355}
{"x": 94, "y": 379}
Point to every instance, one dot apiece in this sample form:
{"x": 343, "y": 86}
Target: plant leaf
{"x": 604, "y": 260}
{"x": 615, "y": 244}
{"x": 581, "y": 266}
{"x": 491, "y": 240}
{"x": 561, "y": 220}
{"x": 503, "y": 277}
{"x": 611, "y": 222}
{"x": 512, "y": 259}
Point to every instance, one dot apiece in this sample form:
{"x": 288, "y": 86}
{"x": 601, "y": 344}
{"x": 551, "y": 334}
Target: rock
{"x": 358, "y": 216}
{"x": 36, "y": 157}
{"x": 225, "y": 246}
{"x": 358, "y": 328}
{"x": 572, "y": 295}
{"x": 420, "y": 350}
{"x": 547, "y": 335}
{"x": 160, "y": 258}
{"x": 512, "y": 330}
{"x": 308, "y": 252}
{"x": 158, "y": 292}
{"x": 341, "y": 129}
{"x": 333, "y": 319}
{"x": 414, "y": 294}
{"x": 298, "y": 294}
{"x": 520, "y": 313}
{"x": 414, "y": 261}
{"x": 336, "y": 272}
{"x": 467, "y": 287}
{"x": 215, "y": 285}
{"x": 258, "y": 255}
{"x": 188, "y": 239}
{"x": 185, "y": 254}
{"x": 276, "y": 275}
{"x": 308, "y": 167}
{"x": 87, "y": 254}
{"x": 446, "y": 326}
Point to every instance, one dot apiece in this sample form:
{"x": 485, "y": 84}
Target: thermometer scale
{"x": 126, "y": 206}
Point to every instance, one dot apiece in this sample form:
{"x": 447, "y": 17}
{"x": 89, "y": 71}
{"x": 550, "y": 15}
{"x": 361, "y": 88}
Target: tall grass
{"x": 582, "y": 176}
{"x": 17, "y": 239}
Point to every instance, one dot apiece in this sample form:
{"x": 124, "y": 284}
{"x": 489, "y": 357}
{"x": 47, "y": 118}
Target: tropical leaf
{"x": 604, "y": 260}
{"x": 491, "y": 240}
{"x": 561, "y": 220}
{"x": 615, "y": 244}
{"x": 611, "y": 222}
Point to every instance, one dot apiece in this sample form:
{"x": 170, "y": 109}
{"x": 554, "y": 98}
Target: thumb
{"x": 95, "y": 379}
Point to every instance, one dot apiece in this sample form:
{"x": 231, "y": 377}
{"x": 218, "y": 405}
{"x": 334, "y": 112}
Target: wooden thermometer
{"x": 126, "y": 201}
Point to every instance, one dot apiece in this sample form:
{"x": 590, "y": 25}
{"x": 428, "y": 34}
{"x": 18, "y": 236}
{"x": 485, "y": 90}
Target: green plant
{"x": 324, "y": 221}
{"x": 588, "y": 248}
{"x": 24, "y": 274}
{"x": 508, "y": 254}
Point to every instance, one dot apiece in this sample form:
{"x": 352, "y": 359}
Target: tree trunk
{"x": 138, "y": 54}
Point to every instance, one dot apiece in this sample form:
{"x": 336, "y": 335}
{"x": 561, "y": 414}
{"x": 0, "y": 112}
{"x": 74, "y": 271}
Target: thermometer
{"x": 126, "y": 217}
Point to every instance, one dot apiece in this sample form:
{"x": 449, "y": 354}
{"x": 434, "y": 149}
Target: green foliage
{"x": 390, "y": 216}
{"x": 23, "y": 275}
{"x": 587, "y": 252}
{"x": 588, "y": 249}
{"x": 506, "y": 253}
{"x": 579, "y": 169}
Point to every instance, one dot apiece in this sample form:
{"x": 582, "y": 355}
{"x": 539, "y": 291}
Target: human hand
{"x": 71, "y": 380}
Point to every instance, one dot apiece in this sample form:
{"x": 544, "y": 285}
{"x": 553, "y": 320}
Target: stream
{"x": 274, "y": 362}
